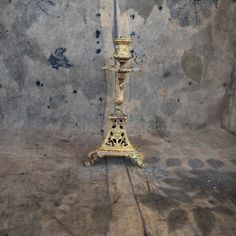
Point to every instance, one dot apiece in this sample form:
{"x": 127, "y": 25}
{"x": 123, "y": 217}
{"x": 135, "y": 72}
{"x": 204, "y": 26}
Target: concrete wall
{"x": 51, "y": 54}
{"x": 229, "y": 106}
{"x": 51, "y": 57}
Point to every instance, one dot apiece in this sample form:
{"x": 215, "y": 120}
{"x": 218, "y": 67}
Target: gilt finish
{"x": 116, "y": 143}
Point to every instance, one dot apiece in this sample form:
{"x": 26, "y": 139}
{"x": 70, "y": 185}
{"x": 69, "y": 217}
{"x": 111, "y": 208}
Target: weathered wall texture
{"x": 189, "y": 53}
{"x": 229, "y": 109}
{"x": 51, "y": 54}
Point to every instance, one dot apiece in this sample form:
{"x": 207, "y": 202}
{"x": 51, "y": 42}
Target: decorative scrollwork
{"x": 138, "y": 158}
{"x": 117, "y": 135}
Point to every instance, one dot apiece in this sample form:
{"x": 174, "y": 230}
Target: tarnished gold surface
{"x": 122, "y": 48}
{"x": 116, "y": 139}
{"x": 120, "y": 86}
{"x": 125, "y": 69}
{"x": 116, "y": 143}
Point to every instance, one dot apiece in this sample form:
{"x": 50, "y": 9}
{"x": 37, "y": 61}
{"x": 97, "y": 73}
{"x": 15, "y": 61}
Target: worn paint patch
{"x": 173, "y": 162}
{"x": 16, "y": 37}
{"x": 3, "y": 32}
{"x": 190, "y": 12}
{"x": 177, "y": 195}
{"x": 195, "y": 163}
{"x": 139, "y": 58}
{"x": 170, "y": 106}
{"x": 203, "y": 42}
{"x": 177, "y": 219}
{"x": 192, "y": 66}
{"x": 233, "y": 161}
{"x": 206, "y": 184}
{"x": 157, "y": 126}
{"x": 163, "y": 202}
{"x": 166, "y": 74}
{"x": 229, "y": 105}
{"x": 216, "y": 164}
{"x": 205, "y": 220}
{"x": 143, "y": 9}
{"x": 1, "y": 114}
{"x": 56, "y": 101}
{"x": 16, "y": 69}
{"x": 154, "y": 200}
{"x": 92, "y": 88}
{"x": 224, "y": 210}
{"x": 34, "y": 8}
{"x": 58, "y": 59}
{"x": 153, "y": 159}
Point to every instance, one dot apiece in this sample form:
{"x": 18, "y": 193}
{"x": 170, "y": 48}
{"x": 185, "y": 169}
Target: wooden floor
{"x": 188, "y": 188}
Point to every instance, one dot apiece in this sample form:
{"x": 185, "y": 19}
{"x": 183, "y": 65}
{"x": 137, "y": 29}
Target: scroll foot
{"x": 89, "y": 163}
{"x": 138, "y": 158}
{"x": 92, "y": 156}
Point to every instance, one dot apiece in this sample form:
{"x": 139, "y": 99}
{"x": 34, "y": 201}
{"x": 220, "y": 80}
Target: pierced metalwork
{"x": 116, "y": 143}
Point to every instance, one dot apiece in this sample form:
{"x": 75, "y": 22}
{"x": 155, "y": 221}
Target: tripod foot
{"x": 138, "y": 158}
{"x": 92, "y": 156}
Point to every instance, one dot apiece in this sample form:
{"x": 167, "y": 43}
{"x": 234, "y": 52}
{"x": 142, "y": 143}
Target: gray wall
{"x": 185, "y": 48}
{"x": 34, "y": 94}
{"x": 229, "y": 106}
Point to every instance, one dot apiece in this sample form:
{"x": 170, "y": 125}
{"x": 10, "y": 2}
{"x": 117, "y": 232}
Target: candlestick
{"x": 116, "y": 143}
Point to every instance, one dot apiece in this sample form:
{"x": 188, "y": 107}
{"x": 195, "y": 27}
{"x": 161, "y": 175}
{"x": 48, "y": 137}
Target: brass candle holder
{"x": 116, "y": 143}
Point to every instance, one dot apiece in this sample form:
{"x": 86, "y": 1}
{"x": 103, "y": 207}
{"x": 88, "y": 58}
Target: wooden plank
{"x": 181, "y": 199}
{"x": 46, "y": 190}
{"x": 125, "y": 215}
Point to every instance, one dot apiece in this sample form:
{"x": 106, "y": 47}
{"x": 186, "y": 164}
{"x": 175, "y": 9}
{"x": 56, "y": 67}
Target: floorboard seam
{"x": 53, "y": 217}
{"x": 108, "y": 190}
{"x": 136, "y": 200}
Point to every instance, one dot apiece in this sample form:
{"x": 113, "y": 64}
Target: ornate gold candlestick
{"x": 116, "y": 143}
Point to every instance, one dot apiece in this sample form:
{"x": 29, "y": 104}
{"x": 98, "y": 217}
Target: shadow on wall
{"x": 185, "y": 12}
{"x": 229, "y": 105}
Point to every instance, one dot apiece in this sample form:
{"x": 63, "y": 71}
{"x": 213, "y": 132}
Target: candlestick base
{"x": 116, "y": 143}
